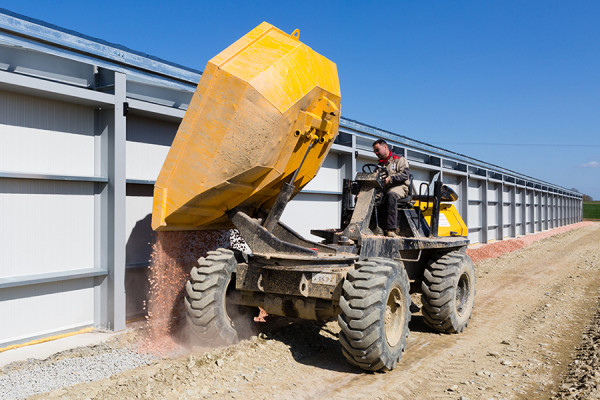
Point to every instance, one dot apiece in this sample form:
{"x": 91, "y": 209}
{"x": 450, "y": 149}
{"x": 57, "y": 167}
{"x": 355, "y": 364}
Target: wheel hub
{"x": 462, "y": 294}
{"x": 394, "y": 317}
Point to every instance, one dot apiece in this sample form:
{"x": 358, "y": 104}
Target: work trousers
{"x": 387, "y": 211}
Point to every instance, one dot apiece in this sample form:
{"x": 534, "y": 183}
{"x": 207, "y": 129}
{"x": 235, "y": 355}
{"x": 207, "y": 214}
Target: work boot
{"x": 378, "y": 231}
{"x": 391, "y": 233}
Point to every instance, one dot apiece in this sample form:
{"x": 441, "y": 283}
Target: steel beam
{"x": 53, "y": 90}
{"x": 45, "y": 177}
{"x": 35, "y": 279}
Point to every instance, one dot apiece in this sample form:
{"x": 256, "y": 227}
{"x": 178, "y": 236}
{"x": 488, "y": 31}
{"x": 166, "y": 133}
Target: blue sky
{"x": 513, "y": 83}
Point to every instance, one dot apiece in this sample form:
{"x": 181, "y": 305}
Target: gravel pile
{"x": 20, "y": 380}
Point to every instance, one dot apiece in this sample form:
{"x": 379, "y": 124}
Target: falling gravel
{"x": 23, "y": 379}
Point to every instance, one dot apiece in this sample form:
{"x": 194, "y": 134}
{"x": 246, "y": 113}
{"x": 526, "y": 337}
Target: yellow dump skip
{"x": 259, "y": 106}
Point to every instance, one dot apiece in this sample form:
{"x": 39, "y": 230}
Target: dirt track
{"x": 531, "y": 309}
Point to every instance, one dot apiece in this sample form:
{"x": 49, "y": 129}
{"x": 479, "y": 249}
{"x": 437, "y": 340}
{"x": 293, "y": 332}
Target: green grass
{"x": 591, "y": 209}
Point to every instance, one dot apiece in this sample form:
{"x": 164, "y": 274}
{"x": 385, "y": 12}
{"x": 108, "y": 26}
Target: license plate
{"x": 323, "y": 279}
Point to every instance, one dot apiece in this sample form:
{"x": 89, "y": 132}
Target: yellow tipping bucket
{"x": 258, "y": 107}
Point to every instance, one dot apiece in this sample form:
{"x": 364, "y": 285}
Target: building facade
{"x": 84, "y": 128}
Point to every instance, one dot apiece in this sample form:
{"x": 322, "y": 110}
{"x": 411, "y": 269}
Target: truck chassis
{"x": 363, "y": 280}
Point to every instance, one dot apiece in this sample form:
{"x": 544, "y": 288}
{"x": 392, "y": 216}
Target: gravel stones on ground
{"x": 22, "y": 379}
{"x": 583, "y": 377}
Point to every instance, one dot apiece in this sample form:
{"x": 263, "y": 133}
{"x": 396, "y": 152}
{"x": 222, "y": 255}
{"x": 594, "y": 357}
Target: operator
{"x": 396, "y": 186}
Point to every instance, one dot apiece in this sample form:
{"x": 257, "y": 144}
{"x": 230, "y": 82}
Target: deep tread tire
{"x": 369, "y": 289}
{"x": 205, "y": 300}
{"x": 448, "y": 289}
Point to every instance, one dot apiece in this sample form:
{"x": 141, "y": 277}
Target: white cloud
{"x": 591, "y": 164}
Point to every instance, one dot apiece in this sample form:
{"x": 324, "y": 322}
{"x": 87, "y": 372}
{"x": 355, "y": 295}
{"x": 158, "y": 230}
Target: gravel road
{"x": 535, "y": 334}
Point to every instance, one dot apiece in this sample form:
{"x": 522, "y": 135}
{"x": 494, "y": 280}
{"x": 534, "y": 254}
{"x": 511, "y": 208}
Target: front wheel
{"x": 211, "y": 320}
{"x": 448, "y": 292}
{"x": 375, "y": 306}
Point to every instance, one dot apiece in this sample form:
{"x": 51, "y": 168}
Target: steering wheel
{"x": 370, "y": 168}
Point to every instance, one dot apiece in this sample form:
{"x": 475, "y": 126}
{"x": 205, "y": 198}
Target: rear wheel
{"x": 211, "y": 319}
{"x": 448, "y": 292}
{"x": 375, "y": 313}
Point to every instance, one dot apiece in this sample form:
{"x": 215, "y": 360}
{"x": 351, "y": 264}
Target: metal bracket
{"x": 412, "y": 260}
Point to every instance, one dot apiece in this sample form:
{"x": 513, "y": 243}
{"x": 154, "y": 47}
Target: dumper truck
{"x": 260, "y": 124}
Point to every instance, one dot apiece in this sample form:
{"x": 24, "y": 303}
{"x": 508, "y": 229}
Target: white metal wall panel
{"x": 544, "y": 211}
{"x": 532, "y": 207}
{"x": 45, "y": 136}
{"x": 454, "y": 183}
{"x": 527, "y": 206}
{"x": 313, "y": 211}
{"x": 328, "y": 179}
{"x": 554, "y": 211}
{"x": 522, "y": 212}
{"x": 550, "y": 211}
{"x": 148, "y": 142}
{"x": 493, "y": 197}
{"x": 420, "y": 176}
{"x": 475, "y": 190}
{"x": 493, "y": 192}
{"x": 507, "y": 210}
{"x": 40, "y": 310}
{"x": 475, "y": 235}
{"x": 475, "y": 216}
{"x": 139, "y": 232}
{"x": 360, "y": 161}
{"x": 46, "y": 226}
{"x": 538, "y": 211}
{"x": 475, "y": 210}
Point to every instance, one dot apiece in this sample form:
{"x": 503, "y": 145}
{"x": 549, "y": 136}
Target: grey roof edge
{"x": 41, "y": 30}
{"x": 416, "y": 144}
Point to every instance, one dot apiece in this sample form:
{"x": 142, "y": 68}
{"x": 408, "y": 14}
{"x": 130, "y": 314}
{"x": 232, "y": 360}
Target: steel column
{"x": 110, "y": 213}
{"x": 484, "y": 212}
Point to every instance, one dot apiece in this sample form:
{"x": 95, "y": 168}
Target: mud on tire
{"x": 375, "y": 313}
{"x": 448, "y": 289}
{"x": 206, "y": 309}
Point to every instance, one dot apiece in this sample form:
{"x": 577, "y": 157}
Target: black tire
{"x": 375, "y": 314}
{"x": 448, "y": 289}
{"x": 211, "y": 320}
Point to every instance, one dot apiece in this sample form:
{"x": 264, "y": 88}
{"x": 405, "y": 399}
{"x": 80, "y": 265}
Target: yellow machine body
{"x": 451, "y": 223}
{"x": 260, "y": 106}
